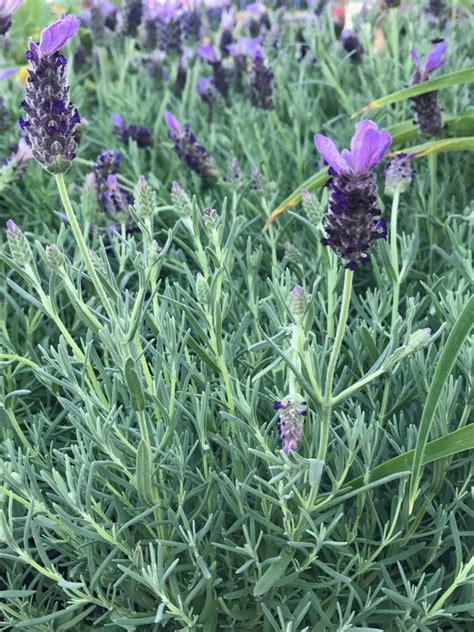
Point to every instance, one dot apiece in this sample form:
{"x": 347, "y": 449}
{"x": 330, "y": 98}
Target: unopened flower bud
{"x": 256, "y": 258}
{"x": 398, "y": 174}
{"x": 202, "y": 289}
{"x": 415, "y": 342}
{"x": 180, "y": 200}
{"x": 311, "y": 207}
{"x": 156, "y": 249}
{"x": 19, "y": 246}
{"x": 210, "y": 217}
{"x": 292, "y": 252}
{"x": 297, "y": 303}
{"x": 145, "y": 198}
{"x": 54, "y": 257}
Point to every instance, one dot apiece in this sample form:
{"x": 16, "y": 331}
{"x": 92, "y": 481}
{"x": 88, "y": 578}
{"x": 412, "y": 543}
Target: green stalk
{"x": 327, "y": 400}
{"x": 394, "y": 253}
{"x": 82, "y": 245}
{"x": 432, "y": 161}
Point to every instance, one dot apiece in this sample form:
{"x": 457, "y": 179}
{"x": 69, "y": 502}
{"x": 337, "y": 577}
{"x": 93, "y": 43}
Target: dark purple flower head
{"x": 353, "y": 221}
{"x": 52, "y": 120}
{"x": 131, "y": 16}
{"x": 189, "y": 150}
{"x": 352, "y": 45}
{"x": 141, "y": 135}
{"x": 261, "y": 83}
{"x": 435, "y": 59}
{"x": 427, "y": 107}
{"x": 7, "y": 9}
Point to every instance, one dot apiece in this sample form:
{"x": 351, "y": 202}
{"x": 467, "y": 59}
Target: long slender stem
{"x": 327, "y": 400}
{"x": 394, "y": 253}
{"x": 82, "y": 245}
{"x": 432, "y": 161}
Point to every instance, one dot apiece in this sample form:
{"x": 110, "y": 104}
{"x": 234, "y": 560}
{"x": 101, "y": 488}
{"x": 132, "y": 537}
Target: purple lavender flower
{"x": 291, "y": 414}
{"x": 107, "y": 164}
{"x": 205, "y": 89}
{"x": 8, "y": 72}
{"x": 189, "y": 150}
{"x": 141, "y": 135}
{"x": 398, "y": 174}
{"x": 167, "y": 19}
{"x": 219, "y": 77}
{"x": 352, "y": 45}
{"x": 427, "y": 108}
{"x": 227, "y": 26}
{"x": 7, "y": 9}
{"x": 258, "y": 18}
{"x": 436, "y": 7}
{"x": 182, "y": 70}
{"x": 18, "y": 159}
{"x": 131, "y": 16}
{"x": 353, "y": 221}
{"x": 52, "y": 120}
{"x": 261, "y": 83}
{"x": 192, "y": 23}
{"x": 114, "y": 199}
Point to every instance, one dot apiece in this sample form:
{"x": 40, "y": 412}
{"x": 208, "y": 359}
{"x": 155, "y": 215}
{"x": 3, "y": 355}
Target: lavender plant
{"x": 209, "y": 427}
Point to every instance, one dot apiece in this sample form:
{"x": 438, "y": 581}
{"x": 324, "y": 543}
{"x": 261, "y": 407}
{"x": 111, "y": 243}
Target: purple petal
{"x": 207, "y": 52}
{"x": 330, "y": 154}
{"x": 57, "y": 34}
{"x": 8, "y": 72}
{"x": 415, "y": 57}
{"x": 172, "y": 123}
{"x": 117, "y": 120}
{"x": 434, "y": 58}
{"x": 368, "y": 146}
{"x": 8, "y": 7}
{"x": 203, "y": 86}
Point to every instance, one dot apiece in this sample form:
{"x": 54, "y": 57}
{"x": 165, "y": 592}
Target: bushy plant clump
{"x": 235, "y": 358}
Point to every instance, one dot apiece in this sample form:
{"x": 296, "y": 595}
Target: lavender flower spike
{"x": 7, "y": 9}
{"x": 51, "y": 123}
{"x": 189, "y": 150}
{"x": 427, "y": 108}
{"x": 353, "y": 222}
{"x": 291, "y": 413}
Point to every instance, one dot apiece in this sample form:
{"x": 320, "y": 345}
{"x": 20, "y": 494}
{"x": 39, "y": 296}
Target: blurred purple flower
{"x": 141, "y": 135}
{"x": 207, "y": 52}
{"x": 8, "y": 72}
{"x": 352, "y": 45}
{"x": 7, "y": 9}
{"x": 427, "y": 108}
{"x": 261, "y": 83}
{"x": 353, "y": 221}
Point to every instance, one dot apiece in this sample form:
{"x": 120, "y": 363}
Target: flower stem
{"x": 394, "y": 253}
{"x": 327, "y": 400}
{"x": 82, "y": 245}
{"x": 432, "y": 208}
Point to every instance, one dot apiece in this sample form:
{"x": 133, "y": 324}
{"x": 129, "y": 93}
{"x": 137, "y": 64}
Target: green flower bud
{"x": 297, "y": 303}
{"x": 145, "y": 198}
{"x": 19, "y": 246}
{"x": 54, "y": 257}
{"x": 202, "y": 289}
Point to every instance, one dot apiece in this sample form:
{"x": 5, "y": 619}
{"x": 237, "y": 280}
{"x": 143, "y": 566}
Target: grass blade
{"x": 450, "y": 444}
{"x": 443, "y": 370}
{"x": 446, "y": 81}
